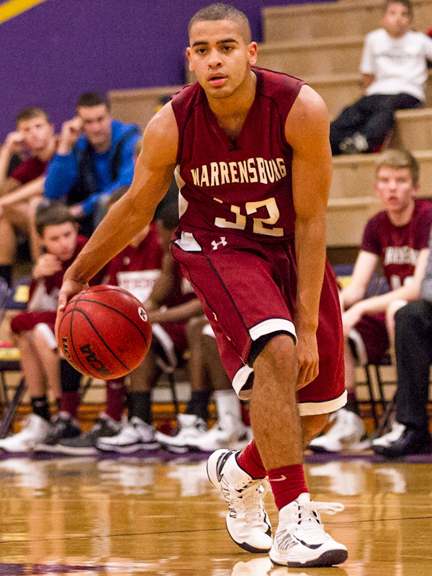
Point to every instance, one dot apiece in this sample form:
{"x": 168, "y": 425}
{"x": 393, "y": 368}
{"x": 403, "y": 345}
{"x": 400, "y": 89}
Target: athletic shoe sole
{"x": 326, "y": 559}
{"x": 81, "y": 451}
{"x": 128, "y": 449}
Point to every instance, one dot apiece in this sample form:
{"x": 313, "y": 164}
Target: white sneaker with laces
{"x": 191, "y": 428}
{"x": 345, "y": 434}
{"x": 134, "y": 435}
{"x": 247, "y": 522}
{"x": 35, "y": 430}
{"x": 300, "y": 539}
{"x": 228, "y": 433}
{"x": 393, "y": 435}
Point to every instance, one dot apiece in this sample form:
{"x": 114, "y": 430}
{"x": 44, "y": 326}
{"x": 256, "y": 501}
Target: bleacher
{"x": 322, "y": 44}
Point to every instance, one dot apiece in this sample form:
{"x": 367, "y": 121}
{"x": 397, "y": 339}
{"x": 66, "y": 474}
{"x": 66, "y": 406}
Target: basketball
{"x": 104, "y": 332}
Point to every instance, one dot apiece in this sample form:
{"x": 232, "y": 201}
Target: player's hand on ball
{"x": 69, "y": 288}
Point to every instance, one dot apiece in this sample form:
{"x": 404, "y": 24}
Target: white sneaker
{"x": 35, "y": 430}
{"x": 247, "y": 522}
{"x": 191, "y": 428}
{"x": 300, "y": 539}
{"x": 134, "y": 435}
{"x": 345, "y": 434}
{"x": 229, "y": 433}
{"x": 395, "y": 433}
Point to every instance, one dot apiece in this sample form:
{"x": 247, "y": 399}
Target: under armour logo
{"x": 222, "y": 242}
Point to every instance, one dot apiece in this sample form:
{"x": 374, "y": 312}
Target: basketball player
{"x": 252, "y": 158}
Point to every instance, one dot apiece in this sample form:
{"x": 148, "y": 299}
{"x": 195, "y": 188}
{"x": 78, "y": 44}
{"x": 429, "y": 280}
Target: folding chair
{"x": 377, "y": 286}
{"x": 10, "y": 299}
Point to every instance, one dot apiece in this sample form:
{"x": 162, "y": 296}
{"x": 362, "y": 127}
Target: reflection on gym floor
{"x": 148, "y": 516}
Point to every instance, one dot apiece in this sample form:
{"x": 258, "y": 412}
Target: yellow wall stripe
{"x": 15, "y": 7}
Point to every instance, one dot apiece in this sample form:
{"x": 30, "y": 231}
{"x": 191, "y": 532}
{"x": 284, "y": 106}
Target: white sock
{"x": 227, "y": 402}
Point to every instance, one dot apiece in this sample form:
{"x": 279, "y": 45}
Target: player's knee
{"x": 277, "y": 348}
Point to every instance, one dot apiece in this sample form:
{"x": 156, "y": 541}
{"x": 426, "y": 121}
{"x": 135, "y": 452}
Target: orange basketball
{"x": 105, "y": 332}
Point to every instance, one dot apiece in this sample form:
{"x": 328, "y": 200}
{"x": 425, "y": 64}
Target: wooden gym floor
{"x": 159, "y": 515}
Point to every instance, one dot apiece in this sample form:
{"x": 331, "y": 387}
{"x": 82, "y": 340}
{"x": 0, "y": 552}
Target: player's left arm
{"x": 307, "y": 131}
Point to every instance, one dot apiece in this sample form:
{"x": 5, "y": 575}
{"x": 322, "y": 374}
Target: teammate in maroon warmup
{"x": 396, "y": 239}
{"x": 252, "y": 158}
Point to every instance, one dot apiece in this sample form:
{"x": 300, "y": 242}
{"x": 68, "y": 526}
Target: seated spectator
{"x": 171, "y": 304}
{"x": 33, "y": 329}
{"x": 22, "y": 188}
{"x": 396, "y": 238}
{"x": 138, "y": 269}
{"x": 229, "y": 430}
{"x": 394, "y": 68}
{"x": 413, "y": 350}
{"x": 94, "y": 158}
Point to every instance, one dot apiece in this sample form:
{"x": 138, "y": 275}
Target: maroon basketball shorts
{"x": 369, "y": 339}
{"x": 248, "y": 293}
{"x": 43, "y": 321}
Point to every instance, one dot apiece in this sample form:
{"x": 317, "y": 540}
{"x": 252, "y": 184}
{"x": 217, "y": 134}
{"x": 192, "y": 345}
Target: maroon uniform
{"x": 43, "y": 296}
{"x": 398, "y": 248}
{"x": 136, "y": 269}
{"x": 236, "y": 235}
{"x": 180, "y": 292}
{"x": 29, "y": 170}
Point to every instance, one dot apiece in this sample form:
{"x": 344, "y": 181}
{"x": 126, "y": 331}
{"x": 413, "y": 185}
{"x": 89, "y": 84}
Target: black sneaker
{"x": 85, "y": 444}
{"x": 63, "y": 427}
{"x": 412, "y": 441}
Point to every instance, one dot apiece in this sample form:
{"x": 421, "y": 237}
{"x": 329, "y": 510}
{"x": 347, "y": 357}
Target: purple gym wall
{"x": 61, "y": 48}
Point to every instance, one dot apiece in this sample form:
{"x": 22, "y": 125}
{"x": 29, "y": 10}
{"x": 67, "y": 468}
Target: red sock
{"x": 69, "y": 402}
{"x": 287, "y": 483}
{"x": 250, "y": 461}
{"x": 115, "y": 398}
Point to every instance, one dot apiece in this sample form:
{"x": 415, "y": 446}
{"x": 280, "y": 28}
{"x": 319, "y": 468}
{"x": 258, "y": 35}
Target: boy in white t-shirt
{"x": 394, "y": 68}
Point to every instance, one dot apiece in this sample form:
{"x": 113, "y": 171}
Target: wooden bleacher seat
{"x": 314, "y": 57}
{"x": 331, "y": 20}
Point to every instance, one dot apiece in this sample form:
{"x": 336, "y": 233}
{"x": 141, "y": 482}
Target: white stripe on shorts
{"x": 48, "y": 334}
{"x": 272, "y": 325}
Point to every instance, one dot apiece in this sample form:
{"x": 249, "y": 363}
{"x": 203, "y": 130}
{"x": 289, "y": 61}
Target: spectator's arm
{"x": 409, "y": 291}
{"x": 9, "y": 186}
{"x": 179, "y": 313}
{"x": 363, "y": 270}
{"x": 61, "y": 175}
{"x": 162, "y": 285}
{"x": 14, "y": 143}
{"x": 367, "y": 65}
{"x": 25, "y": 192}
{"x": 125, "y": 176}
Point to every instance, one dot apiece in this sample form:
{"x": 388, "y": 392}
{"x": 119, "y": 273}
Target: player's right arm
{"x": 153, "y": 174}
{"x": 364, "y": 268}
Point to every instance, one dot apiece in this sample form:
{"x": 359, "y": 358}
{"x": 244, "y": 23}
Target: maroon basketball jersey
{"x": 136, "y": 269}
{"x": 244, "y": 186}
{"x": 398, "y": 247}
